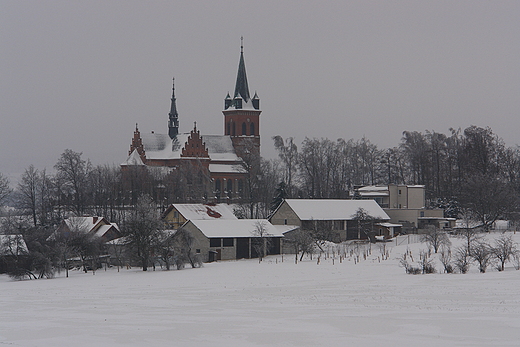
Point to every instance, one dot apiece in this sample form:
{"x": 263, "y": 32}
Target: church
{"x": 217, "y": 164}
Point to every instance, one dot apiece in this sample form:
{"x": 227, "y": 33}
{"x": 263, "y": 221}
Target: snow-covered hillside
{"x": 243, "y": 303}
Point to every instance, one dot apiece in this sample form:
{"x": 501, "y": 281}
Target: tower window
{"x": 244, "y": 128}
{"x": 228, "y": 129}
{"x": 252, "y": 129}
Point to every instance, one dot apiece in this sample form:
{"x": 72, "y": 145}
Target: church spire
{"x": 241, "y": 87}
{"x": 173, "y": 121}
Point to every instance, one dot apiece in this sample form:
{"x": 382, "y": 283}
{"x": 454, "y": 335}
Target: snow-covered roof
{"x": 317, "y": 209}
{"x": 205, "y": 212}
{"x": 220, "y": 147}
{"x": 235, "y": 228}
{"x": 161, "y": 146}
{"x": 285, "y": 228}
{"x": 373, "y": 188}
{"x": 389, "y": 225}
{"x": 378, "y": 193}
{"x": 134, "y": 159}
{"x": 103, "y": 229}
{"x": 85, "y": 224}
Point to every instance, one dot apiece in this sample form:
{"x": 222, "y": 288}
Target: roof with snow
{"x": 236, "y": 228}
{"x": 134, "y": 159}
{"x": 329, "y": 209}
{"x": 204, "y": 212}
{"x": 161, "y": 146}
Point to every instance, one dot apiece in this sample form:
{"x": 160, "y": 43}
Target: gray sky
{"x": 80, "y": 74}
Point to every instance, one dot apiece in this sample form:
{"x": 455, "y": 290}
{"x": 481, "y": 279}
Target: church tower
{"x": 173, "y": 120}
{"x": 242, "y": 113}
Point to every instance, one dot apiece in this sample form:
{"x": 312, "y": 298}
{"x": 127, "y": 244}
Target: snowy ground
{"x": 275, "y": 303}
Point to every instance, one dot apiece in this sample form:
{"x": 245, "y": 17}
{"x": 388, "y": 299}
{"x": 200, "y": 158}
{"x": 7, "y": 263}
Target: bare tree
{"x": 468, "y": 232}
{"x": 142, "y": 230}
{"x": 288, "y": 153}
{"x": 505, "y": 248}
{"x": 445, "y": 258}
{"x": 5, "y": 190}
{"x": 262, "y": 240}
{"x": 302, "y": 243}
{"x": 462, "y": 259}
{"x": 27, "y": 192}
{"x": 482, "y": 253}
{"x": 73, "y": 173}
{"x": 436, "y": 238}
{"x": 183, "y": 248}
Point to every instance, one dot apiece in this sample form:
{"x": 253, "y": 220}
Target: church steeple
{"x": 241, "y": 87}
{"x": 173, "y": 121}
{"x": 242, "y": 113}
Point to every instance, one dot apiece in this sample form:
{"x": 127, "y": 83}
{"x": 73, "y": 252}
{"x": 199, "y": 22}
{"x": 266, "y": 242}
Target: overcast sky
{"x": 80, "y": 74}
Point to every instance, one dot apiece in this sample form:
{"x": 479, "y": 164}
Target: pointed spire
{"x": 173, "y": 122}
{"x": 241, "y": 87}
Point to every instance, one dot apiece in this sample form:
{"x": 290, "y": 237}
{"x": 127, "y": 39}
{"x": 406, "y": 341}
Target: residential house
{"x": 337, "y": 217}
{"x": 94, "y": 226}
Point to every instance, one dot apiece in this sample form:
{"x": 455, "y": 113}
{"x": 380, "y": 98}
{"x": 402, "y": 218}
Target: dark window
{"x": 252, "y": 129}
{"x": 233, "y": 126}
{"x": 214, "y": 242}
{"x": 228, "y": 128}
{"x": 229, "y": 185}
{"x": 228, "y": 242}
{"x": 240, "y": 185}
{"x": 217, "y": 185}
{"x": 244, "y": 128}
{"x": 197, "y": 251}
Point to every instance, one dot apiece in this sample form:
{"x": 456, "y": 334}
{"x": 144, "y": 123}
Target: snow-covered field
{"x": 275, "y": 303}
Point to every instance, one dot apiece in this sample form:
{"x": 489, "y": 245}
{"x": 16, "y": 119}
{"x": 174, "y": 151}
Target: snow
{"x": 235, "y": 228}
{"x": 315, "y": 209}
{"x": 274, "y": 303}
{"x": 134, "y": 159}
{"x": 201, "y": 211}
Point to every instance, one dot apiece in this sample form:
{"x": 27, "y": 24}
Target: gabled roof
{"x": 325, "y": 209}
{"x": 204, "y": 212}
{"x": 85, "y": 224}
{"x": 235, "y": 228}
{"x": 134, "y": 159}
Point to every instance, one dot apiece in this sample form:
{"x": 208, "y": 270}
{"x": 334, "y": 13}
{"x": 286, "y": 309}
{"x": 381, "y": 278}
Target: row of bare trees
{"x": 470, "y": 168}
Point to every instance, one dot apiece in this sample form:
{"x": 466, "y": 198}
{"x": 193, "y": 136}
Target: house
{"x": 337, "y": 217}
{"x": 94, "y": 226}
{"x": 405, "y": 204}
{"x": 233, "y": 239}
{"x": 177, "y": 214}
{"x": 212, "y": 164}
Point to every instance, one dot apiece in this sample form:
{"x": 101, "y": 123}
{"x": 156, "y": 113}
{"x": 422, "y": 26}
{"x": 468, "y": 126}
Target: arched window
{"x": 244, "y": 128}
{"x": 217, "y": 185}
{"x": 233, "y": 126}
{"x": 228, "y": 129}
{"x": 252, "y": 129}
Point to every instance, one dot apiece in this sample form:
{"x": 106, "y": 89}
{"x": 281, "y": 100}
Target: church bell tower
{"x": 242, "y": 113}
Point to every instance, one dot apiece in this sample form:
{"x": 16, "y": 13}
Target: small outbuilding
{"x": 234, "y": 239}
